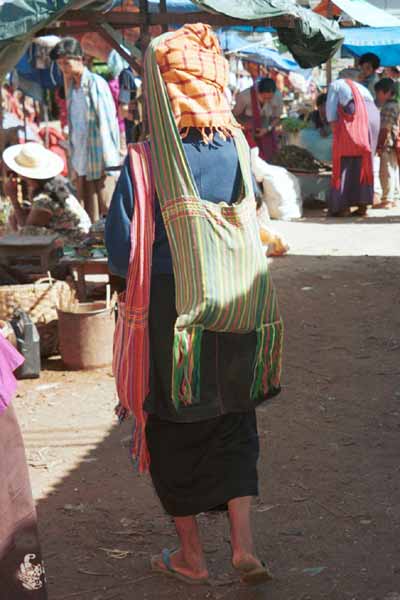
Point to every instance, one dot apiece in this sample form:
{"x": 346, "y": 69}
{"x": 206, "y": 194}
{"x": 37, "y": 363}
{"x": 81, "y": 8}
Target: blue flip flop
{"x": 167, "y": 569}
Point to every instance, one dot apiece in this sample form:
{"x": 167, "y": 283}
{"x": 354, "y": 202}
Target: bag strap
{"x": 142, "y": 223}
{"x": 173, "y": 176}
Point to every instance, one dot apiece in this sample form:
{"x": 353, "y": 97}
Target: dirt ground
{"x": 328, "y": 516}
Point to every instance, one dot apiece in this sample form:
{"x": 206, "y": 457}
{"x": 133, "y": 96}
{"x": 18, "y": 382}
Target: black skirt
{"x": 196, "y": 467}
{"x": 226, "y": 364}
{"x": 204, "y": 454}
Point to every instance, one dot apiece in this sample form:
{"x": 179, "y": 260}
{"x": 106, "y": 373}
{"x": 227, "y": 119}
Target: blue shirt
{"x": 216, "y": 172}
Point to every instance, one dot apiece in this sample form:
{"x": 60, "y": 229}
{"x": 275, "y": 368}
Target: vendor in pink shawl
{"x": 21, "y": 569}
{"x": 259, "y": 110}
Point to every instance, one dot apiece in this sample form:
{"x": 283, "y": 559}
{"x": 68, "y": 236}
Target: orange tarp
{"x": 323, "y": 9}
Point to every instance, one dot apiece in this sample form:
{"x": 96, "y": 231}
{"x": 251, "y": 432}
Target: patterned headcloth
{"x": 196, "y": 75}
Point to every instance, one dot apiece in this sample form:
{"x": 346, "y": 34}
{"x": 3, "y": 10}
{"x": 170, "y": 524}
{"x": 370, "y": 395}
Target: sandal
{"x": 167, "y": 569}
{"x": 254, "y": 575}
{"x": 361, "y": 212}
{"x": 346, "y": 212}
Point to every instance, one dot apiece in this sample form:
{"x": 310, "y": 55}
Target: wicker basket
{"x": 39, "y": 300}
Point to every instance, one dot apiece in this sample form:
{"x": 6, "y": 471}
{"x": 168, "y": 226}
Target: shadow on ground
{"x": 328, "y": 516}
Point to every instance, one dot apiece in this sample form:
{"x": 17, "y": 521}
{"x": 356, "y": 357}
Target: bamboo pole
{"x": 125, "y": 20}
{"x": 329, "y": 63}
{"x": 144, "y": 42}
{"x": 163, "y": 11}
{"x": 131, "y": 60}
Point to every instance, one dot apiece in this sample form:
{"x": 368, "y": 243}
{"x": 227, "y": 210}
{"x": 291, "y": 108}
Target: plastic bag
{"x": 320, "y": 147}
{"x": 281, "y": 189}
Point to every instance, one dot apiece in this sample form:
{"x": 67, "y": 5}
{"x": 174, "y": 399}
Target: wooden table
{"x": 86, "y": 266}
{"x": 36, "y": 250}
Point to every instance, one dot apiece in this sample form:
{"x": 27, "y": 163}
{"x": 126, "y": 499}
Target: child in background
{"x": 385, "y": 91}
{"x": 369, "y": 63}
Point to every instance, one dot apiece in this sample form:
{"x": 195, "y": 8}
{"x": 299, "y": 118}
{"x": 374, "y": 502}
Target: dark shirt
{"x": 216, "y": 172}
{"x": 127, "y": 94}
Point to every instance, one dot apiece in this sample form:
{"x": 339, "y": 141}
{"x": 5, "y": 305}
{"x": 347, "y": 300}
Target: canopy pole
{"x": 329, "y": 75}
{"x": 329, "y": 14}
{"x": 144, "y": 42}
{"x": 144, "y": 27}
{"x": 130, "y": 59}
{"x": 24, "y": 112}
{"x": 46, "y": 120}
{"x": 163, "y": 10}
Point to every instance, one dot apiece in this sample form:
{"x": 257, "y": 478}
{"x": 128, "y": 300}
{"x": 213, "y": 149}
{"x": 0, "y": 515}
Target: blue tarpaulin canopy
{"x": 232, "y": 41}
{"x": 272, "y": 58}
{"x": 382, "y": 41}
{"x": 173, "y": 6}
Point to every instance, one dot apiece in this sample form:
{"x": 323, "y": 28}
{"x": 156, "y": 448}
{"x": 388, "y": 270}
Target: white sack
{"x": 281, "y": 189}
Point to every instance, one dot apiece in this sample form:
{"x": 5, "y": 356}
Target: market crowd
{"x": 358, "y": 115}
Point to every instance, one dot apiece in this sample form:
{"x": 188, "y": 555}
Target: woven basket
{"x": 39, "y": 300}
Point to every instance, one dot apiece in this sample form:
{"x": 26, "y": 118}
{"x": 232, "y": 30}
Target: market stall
{"x": 311, "y": 39}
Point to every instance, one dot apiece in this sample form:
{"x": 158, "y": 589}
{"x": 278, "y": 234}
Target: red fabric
{"x": 351, "y": 138}
{"x": 62, "y": 108}
{"x": 131, "y": 361}
{"x": 268, "y": 143}
{"x": 55, "y": 137}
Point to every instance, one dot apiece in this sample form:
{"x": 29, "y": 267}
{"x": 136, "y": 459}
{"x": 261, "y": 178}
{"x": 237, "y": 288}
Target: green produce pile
{"x": 292, "y": 125}
{"x": 299, "y": 159}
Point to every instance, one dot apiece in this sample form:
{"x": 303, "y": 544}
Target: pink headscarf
{"x": 10, "y": 360}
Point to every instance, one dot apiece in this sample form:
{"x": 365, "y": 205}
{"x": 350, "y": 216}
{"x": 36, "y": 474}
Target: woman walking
{"x": 198, "y": 340}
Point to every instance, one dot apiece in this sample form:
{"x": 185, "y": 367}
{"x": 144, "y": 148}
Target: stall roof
{"x": 359, "y": 10}
{"x": 382, "y": 41}
{"x": 311, "y": 38}
{"x": 250, "y": 49}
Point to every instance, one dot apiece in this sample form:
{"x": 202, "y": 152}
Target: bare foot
{"x": 189, "y": 567}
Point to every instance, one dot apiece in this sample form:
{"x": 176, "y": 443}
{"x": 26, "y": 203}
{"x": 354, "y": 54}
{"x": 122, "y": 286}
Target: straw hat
{"x": 33, "y": 160}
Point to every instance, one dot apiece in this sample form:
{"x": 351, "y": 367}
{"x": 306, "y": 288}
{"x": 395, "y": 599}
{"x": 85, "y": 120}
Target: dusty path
{"x": 328, "y": 516}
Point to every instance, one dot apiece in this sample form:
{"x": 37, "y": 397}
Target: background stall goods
{"x": 299, "y": 159}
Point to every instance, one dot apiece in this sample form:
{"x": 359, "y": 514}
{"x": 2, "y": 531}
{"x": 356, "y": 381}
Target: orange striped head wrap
{"x": 196, "y": 74}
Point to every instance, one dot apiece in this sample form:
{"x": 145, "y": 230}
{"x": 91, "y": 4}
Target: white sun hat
{"x": 33, "y": 160}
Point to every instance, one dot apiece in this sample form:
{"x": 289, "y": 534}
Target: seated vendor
{"x": 318, "y": 117}
{"x": 48, "y": 203}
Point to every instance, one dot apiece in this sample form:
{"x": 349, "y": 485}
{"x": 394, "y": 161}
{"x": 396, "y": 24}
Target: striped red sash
{"x": 131, "y": 361}
{"x": 351, "y": 138}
